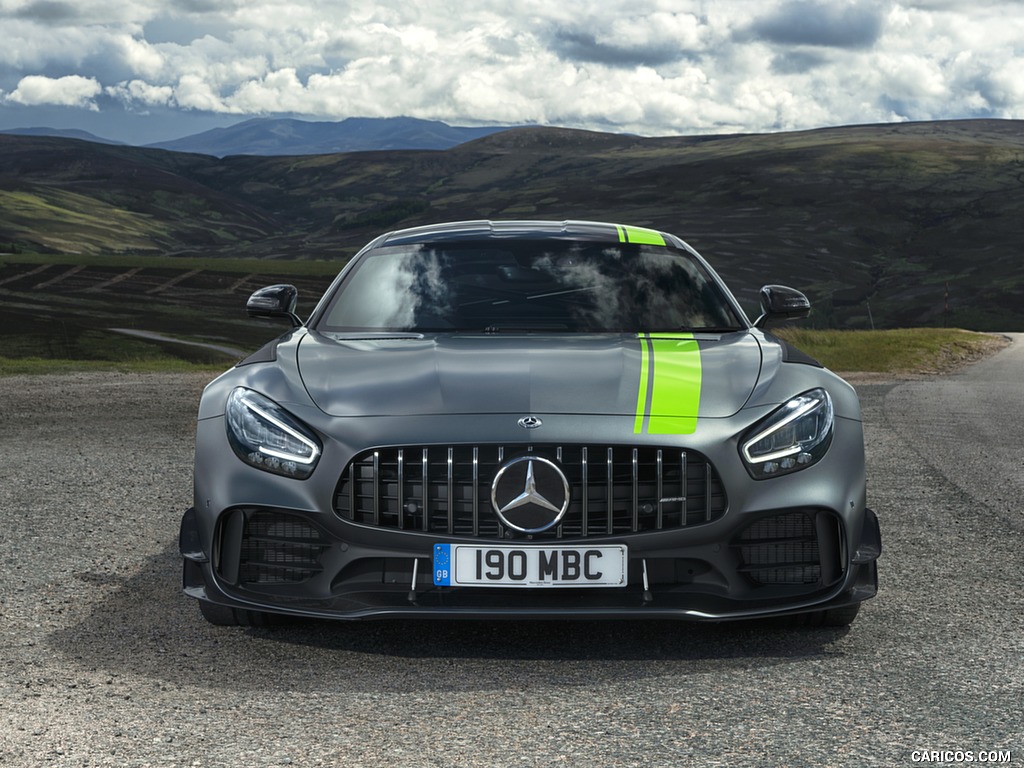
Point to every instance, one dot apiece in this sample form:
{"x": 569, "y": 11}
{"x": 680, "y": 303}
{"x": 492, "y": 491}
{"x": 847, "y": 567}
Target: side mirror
{"x": 781, "y": 303}
{"x": 275, "y": 301}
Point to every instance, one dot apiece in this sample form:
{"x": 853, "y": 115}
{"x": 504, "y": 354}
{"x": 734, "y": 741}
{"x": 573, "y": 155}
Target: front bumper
{"x": 798, "y": 543}
{"x": 293, "y": 562}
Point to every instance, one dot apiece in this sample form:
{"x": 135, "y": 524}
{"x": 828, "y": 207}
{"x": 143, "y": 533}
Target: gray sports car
{"x": 529, "y": 419}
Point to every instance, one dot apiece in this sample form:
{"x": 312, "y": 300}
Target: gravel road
{"x": 104, "y": 663}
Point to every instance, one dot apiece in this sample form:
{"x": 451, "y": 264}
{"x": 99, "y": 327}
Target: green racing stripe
{"x": 639, "y": 235}
{"x": 670, "y": 380}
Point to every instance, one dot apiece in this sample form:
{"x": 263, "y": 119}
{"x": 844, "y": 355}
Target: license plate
{"x": 468, "y": 565}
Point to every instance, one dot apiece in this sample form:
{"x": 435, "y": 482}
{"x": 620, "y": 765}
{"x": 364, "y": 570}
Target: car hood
{"x": 646, "y": 376}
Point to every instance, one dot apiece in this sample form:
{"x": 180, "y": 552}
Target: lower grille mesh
{"x": 278, "y": 548}
{"x": 782, "y": 549}
{"x": 613, "y": 489}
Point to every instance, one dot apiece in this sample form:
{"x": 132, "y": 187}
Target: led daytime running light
{"x": 795, "y": 436}
{"x": 792, "y": 450}
{"x": 314, "y": 449}
{"x": 267, "y": 437}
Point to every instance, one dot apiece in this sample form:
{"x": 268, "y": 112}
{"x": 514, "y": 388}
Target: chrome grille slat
{"x": 401, "y": 486}
{"x": 376, "y": 489}
{"x": 584, "y": 502}
{"x": 636, "y": 492}
{"x": 448, "y": 491}
{"x": 610, "y": 496}
{"x": 451, "y": 492}
{"x": 707, "y": 484}
{"x": 476, "y": 496}
{"x": 683, "y": 469}
{"x": 424, "y": 508}
{"x": 351, "y": 486}
{"x": 661, "y": 492}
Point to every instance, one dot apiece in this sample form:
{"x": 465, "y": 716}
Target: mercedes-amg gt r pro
{"x": 529, "y": 419}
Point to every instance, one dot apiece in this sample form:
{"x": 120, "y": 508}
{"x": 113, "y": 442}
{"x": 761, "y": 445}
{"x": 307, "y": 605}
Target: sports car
{"x": 529, "y": 419}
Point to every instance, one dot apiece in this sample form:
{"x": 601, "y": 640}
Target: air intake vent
{"x": 786, "y": 549}
{"x": 268, "y": 547}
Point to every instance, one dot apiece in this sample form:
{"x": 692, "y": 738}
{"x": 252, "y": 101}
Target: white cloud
{"x": 141, "y": 58}
{"x": 659, "y": 29}
{"x": 193, "y": 92}
{"x": 279, "y": 91}
{"x": 68, "y": 91}
{"x": 140, "y": 92}
{"x": 910, "y": 77}
{"x": 28, "y": 49}
{"x": 653, "y": 67}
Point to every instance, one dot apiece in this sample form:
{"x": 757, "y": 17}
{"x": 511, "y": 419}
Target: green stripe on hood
{"x": 670, "y": 381}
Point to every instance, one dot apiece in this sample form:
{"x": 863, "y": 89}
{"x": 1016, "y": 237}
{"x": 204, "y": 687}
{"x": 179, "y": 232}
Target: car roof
{"x": 483, "y": 229}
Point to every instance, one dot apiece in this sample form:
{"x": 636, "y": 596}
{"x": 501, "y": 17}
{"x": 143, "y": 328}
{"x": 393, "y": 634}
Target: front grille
{"x": 783, "y": 549}
{"x": 272, "y": 547}
{"x": 447, "y": 489}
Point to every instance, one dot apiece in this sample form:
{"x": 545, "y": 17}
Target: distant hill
{"x": 896, "y": 225}
{"x": 269, "y": 136}
{"x": 64, "y": 133}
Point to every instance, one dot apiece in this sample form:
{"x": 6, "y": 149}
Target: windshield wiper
{"x": 556, "y": 328}
{"x": 374, "y": 335}
{"x": 709, "y": 329}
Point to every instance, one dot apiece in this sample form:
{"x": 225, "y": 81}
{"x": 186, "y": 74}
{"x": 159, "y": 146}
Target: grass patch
{"x": 910, "y": 350}
{"x": 75, "y": 350}
{"x": 275, "y": 267}
{"x": 33, "y": 366}
{"x": 903, "y": 351}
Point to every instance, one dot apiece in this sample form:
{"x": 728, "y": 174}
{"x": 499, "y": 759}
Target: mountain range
{"x": 63, "y": 133}
{"x": 280, "y": 136}
{"x": 882, "y": 225}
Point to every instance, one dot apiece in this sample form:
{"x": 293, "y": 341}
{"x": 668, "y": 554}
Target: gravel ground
{"x": 104, "y": 663}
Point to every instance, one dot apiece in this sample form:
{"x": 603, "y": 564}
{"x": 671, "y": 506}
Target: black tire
{"x": 223, "y": 616}
{"x": 218, "y": 615}
{"x": 833, "y": 617}
{"x": 259, "y": 619}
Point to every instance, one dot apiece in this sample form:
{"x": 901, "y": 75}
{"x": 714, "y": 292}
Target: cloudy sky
{"x": 149, "y": 70}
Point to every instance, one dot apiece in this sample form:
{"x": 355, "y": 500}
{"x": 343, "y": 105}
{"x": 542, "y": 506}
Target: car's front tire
{"x": 223, "y": 616}
{"x": 832, "y": 617}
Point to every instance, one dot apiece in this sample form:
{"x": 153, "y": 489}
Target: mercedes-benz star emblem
{"x": 530, "y": 422}
{"x": 530, "y": 494}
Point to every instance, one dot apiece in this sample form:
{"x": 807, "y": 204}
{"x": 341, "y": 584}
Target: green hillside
{"x": 895, "y": 225}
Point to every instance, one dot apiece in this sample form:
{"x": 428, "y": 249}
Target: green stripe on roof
{"x": 639, "y": 235}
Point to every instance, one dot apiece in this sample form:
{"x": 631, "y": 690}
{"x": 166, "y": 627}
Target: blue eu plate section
{"x": 443, "y": 565}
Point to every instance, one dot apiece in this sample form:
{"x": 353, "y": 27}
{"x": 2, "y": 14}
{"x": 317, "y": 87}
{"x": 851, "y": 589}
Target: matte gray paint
{"x": 476, "y": 374}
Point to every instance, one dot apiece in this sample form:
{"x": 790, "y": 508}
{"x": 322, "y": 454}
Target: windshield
{"x": 528, "y": 285}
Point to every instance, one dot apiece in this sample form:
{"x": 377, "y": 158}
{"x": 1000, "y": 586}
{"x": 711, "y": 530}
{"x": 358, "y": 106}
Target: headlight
{"x": 794, "y": 437}
{"x": 266, "y": 436}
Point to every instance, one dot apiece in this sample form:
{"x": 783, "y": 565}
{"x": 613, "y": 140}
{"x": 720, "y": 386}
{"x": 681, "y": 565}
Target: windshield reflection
{"x": 527, "y": 285}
